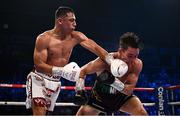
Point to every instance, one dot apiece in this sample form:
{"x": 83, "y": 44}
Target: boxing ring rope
{"x": 66, "y": 87}
{"x": 87, "y": 88}
{"x": 63, "y": 88}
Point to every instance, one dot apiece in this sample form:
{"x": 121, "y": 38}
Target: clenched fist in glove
{"x": 118, "y": 67}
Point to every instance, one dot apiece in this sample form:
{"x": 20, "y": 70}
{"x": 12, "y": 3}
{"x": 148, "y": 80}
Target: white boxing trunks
{"x": 42, "y": 90}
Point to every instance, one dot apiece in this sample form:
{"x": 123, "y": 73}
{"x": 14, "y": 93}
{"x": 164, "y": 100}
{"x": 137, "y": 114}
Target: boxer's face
{"x": 130, "y": 54}
{"x": 68, "y": 22}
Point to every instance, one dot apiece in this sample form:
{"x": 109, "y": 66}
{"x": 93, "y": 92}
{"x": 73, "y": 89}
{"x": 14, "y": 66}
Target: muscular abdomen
{"x": 59, "y": 53}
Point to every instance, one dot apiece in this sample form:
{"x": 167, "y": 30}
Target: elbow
{"x": 38, "y": 67}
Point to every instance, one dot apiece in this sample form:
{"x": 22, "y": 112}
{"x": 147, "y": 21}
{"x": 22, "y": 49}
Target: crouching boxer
{"x": 117, "y": 68}
{"x": 114, "y": 83}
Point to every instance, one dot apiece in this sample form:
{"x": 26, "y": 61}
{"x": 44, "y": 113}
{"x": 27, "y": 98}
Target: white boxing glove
{"x": 118, "y": 67}
{"x": 70, "y": 71}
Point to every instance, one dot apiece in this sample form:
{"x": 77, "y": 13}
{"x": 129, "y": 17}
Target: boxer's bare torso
{"x": 57, "y": 49}
{"x": 54, "y": 50}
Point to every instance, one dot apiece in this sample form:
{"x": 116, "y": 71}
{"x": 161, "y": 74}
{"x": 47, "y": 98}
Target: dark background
{"x": 155, "y": 21}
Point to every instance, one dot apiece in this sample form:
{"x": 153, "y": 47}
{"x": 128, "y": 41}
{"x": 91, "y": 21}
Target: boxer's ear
{"x": 59, "y": 20}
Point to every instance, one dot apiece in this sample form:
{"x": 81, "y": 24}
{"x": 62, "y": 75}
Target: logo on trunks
{"x": 56, "y": 77}
{"x": 112, "y": 90}
{"x": 161, "y": 101}
{"x": 40, "y": 101}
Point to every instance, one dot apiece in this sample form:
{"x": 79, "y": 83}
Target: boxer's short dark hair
{"x": 62, "y": 11}
{"x": 130, "y": 39}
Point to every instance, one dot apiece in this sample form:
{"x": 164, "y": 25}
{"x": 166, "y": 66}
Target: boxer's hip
{"x": 48, "y": 77}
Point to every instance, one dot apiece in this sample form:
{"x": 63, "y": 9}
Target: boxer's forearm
{"x": 102, "y": 53}
{"x": 70, "y": 71}
{"x": 44, "y": 68}
{"x": 95, "y": 48}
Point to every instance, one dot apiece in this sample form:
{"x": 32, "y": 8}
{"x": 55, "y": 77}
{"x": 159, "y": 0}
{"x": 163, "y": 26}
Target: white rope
{"x": 72, "y": 104}
{"x": 57, "y": 104}
{"x": 174, "y": 103}
{"x": 65, "y": 104}
{"x": 12, "y": 103}
{"x": 24, "y": 103}
{"x": 148, "y": 104}
{"x": 169, "y": 103}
